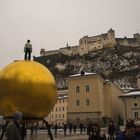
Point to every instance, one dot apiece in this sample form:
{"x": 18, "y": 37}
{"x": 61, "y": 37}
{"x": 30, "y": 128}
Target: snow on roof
{"x": 85, "y": 74}
{"x": 62, "y": 91}
{"x": 62, "y": 97}
{"x": 132, "y": 93}
{"x": 127, "y": 88}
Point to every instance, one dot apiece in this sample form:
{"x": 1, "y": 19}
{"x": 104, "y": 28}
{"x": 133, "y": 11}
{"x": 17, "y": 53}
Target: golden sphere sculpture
{"x": 27, "y": 86}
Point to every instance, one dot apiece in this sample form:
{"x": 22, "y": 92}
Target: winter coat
{"x": 12, "y": 131}
{"x": 122, "y": 136}
{"x": 28, "y": 47}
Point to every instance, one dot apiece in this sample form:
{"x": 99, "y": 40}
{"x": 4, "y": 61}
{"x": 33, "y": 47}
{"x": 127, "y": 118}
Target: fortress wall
{"x": 53, "y": 52}
{"x": 87, "y": 44}
{"x": 83, "y": 49}
{"x": 95, "y": 46}
{"x": 75, "y": 50}
{"x": 122, "y": 42}
{"x": 127, "y": 42}
{"x": 66, "y": 51}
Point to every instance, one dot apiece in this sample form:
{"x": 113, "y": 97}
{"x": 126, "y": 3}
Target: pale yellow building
{"x": 131, "y": 104}
{"x": 59, "y": 113}
{"x": 91, "y": 98}
{"x": 138, "y": 81}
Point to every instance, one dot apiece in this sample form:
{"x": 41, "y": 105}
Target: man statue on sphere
{"x": 28, "y": 50}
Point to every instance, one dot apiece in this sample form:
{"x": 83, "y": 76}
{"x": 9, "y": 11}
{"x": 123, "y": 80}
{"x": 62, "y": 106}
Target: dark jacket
{"x": 122, "y": 136}
{"x": 12, "y": 132}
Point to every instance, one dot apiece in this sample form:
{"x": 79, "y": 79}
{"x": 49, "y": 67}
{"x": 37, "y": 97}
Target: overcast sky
{"x": 50, "y": 24}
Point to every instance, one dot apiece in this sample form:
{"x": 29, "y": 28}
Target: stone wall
{"x": 77, "y": 118}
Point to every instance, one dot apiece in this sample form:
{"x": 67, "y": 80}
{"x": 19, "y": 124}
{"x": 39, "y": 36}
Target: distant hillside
{"x": 119, "y": 64}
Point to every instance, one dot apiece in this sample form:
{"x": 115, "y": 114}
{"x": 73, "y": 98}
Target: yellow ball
{"x": 27, "y": 86}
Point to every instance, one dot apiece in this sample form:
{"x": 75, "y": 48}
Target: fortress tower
{"x": 87, "y": 44}
{"x": 137, "y": 37}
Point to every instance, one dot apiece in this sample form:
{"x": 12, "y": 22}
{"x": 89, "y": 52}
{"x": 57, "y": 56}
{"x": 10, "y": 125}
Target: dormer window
{"x": 135, "y": 104}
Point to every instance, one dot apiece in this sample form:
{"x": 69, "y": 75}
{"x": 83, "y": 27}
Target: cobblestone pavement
{"x": 58, "y": 137}
{"x": 43, "y": 135}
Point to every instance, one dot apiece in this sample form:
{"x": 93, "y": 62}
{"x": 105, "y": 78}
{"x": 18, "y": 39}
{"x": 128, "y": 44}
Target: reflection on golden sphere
{"x": 27, "y": 86}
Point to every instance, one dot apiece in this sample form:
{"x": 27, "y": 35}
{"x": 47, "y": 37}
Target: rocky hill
{"x": 119, "y": 64}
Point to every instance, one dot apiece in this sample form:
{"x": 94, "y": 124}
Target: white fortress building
{"x": 88, "y": 44}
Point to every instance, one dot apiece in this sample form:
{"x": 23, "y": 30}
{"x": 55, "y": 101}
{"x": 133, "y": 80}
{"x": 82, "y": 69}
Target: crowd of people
{"x": 131, "y": 131}
{"x": 16, "y": 130}
{"x": 112, "y": 131}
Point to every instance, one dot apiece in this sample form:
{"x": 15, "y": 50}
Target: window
{"x": 56, "y": 109}
{"x": 63, "y": 115}
{"x": 52, "y": 116}
{"x": 77, "y": 102}
{"x": 87, "y": 88}
{"x": 77, "y": 89}
{"x": 87, "y": 102}
{"x": 63, "y": 108}
{"x": 136, "y": 114}
{"x": 60, "y": 101}
{"x": 59, "y": 116}
{"x": 135, "y": 104}
{"x": 59, "y": 108}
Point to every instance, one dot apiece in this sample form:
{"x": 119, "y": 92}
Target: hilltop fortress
{"x": 88, "y": 44}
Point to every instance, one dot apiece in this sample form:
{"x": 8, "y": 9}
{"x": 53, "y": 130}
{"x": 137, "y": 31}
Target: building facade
{"x": 131, "y": 104}
{"x": 91, "y": 98}
{"x": 59, "y": 113}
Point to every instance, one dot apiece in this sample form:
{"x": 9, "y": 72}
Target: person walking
{"x": 81, "y": 128}
{"x": 13, "y": 127}
{"x": 23, "y": 132}
{"x": 74, "y": 128}
{"x": 111, "y": 130}
{"x": 55, "y": 128}
{"x": 70, "y": 127}
{"x": 65, "y": 129}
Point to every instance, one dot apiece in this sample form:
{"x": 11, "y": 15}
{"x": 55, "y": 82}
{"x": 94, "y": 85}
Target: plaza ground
{"x": 43, "y": 135}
